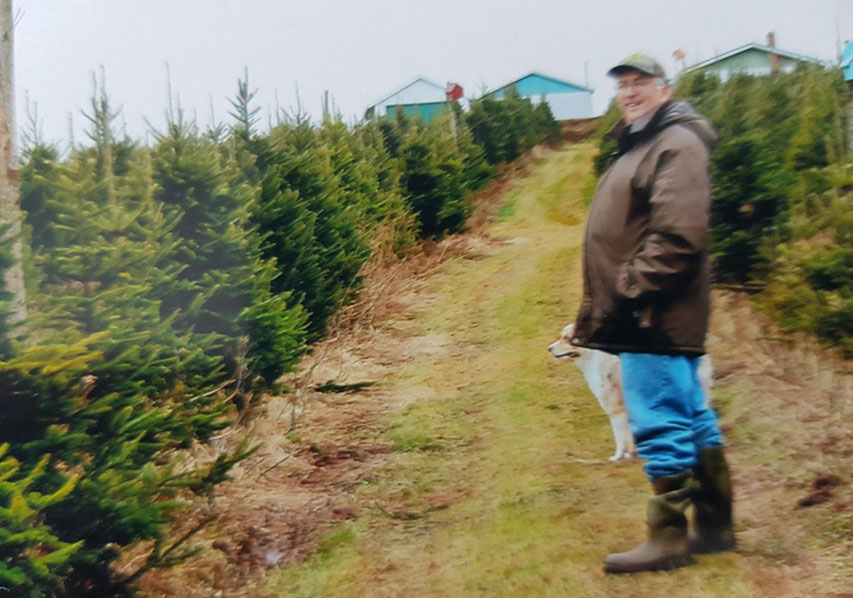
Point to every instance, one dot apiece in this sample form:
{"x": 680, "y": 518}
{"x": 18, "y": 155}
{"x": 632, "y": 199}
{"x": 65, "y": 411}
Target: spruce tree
{"x": 750, "y": 195}
{"x": 507, "y": 127}
{"x": 433, "y": 179}
{"x": 117, "y": 386}
{"x": 477, "y": 172}
{"x": 32, "y": 558}
{"x": 224, "y": 280}
{"x": 308, "y": 228}
{"x": 491, "y": 126}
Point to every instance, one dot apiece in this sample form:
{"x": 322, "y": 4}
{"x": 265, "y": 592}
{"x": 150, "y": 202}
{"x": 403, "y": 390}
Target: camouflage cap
{"x": 638, "y": 62}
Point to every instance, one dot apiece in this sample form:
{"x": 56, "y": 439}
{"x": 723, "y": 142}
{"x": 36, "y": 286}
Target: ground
{"x": 473, "y": 464}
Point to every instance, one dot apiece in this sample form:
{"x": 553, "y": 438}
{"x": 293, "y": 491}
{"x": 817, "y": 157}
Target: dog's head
{"x": 562, "y": 348}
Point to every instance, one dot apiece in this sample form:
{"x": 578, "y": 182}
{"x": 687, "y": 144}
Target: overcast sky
{"x": 360, "y": 50}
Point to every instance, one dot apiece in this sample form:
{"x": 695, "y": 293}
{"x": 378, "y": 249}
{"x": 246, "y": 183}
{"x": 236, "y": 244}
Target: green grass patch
{"x": 723, "y": 401}
{"x": 411, "y": 441}
{"x": 508, "y": 207}
{"x": 334, "y": 540}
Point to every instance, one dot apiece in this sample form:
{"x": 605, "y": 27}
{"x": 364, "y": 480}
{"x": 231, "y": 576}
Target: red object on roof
{"x": 453, "y": 91}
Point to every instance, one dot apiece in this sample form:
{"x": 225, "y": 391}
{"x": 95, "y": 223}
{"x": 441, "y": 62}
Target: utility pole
{"x": 452, "y": 92}
{"x": 10, "y": 209}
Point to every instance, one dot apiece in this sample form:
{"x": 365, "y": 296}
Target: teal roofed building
{"x": 847, "y": 63}
{"x": 753, "y": 59}
{"x": 567, "y": 100}
{"x": 847, "y": 70}
{"x": 419, "y": 97}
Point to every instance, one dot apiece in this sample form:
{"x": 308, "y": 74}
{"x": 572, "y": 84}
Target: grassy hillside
{"x": 476, "y": 465}
{"x": 498, "y": 484}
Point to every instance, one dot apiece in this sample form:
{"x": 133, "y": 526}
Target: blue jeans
{"x": 666, "y": 411}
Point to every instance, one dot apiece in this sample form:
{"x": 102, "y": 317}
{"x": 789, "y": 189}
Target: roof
{"x": 753, "y": 46}
{"x": 547, "y": 77}
{"x": 404, "y": 87}
{"x": 847, "y": 61}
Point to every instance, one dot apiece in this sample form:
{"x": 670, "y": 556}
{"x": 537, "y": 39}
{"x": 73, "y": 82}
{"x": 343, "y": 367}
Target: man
{"x": 646, "y": 298}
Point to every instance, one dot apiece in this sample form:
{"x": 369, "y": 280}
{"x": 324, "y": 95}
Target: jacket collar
{"x": 628, "y": 138}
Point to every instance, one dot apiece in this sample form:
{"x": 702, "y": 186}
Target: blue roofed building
{"x": 567, "y": 100}
{"x": 419, "y": 97}
{"x": 847, "y": 70}
{"x": 847, "y": 63}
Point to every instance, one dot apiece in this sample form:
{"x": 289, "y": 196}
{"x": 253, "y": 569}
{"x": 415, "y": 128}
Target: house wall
{"x": 751, "y": 62}
{"x": 427, "y": 111}
{"x": 567, "y": 101}
{"x": 419, "y": 92}
{"x": 565, "y": 106}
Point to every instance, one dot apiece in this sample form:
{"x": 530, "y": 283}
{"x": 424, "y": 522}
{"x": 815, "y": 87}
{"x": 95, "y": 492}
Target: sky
{"x": 360, "y": 50}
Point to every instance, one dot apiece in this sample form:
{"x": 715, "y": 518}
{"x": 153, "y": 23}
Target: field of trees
{"x": 171, "y": 285}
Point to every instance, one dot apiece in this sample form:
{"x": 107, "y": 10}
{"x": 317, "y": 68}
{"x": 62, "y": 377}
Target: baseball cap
{"x": 638, "y": 62}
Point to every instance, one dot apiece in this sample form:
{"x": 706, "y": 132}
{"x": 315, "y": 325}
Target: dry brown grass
{"x": 580, "y": 129}
{"x": 787, "y": 412}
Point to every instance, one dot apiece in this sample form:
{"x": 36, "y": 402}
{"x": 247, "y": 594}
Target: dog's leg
{"x": 622, "y": 434}
{"x": 611, "y": 401}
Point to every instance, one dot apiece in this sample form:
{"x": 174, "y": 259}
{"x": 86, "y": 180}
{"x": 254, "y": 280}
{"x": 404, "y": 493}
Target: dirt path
{"x": 476, "y": 466}
{"x": 498, "y": 483}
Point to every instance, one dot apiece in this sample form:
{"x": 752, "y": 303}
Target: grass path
{"x": 499, "y": 484}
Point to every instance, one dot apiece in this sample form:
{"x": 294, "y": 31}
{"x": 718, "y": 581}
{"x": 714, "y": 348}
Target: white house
{"x": 752, "y": 59}
{"x": 420, "y": 97}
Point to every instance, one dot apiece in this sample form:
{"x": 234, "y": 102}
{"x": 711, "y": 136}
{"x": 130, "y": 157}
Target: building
{"x": 753, "y": 59}
{"x": 847, "y": 70}
{"x": 847, "y": 63}
{"x": 567, "y": 100}
{"x": 420, "y": 97}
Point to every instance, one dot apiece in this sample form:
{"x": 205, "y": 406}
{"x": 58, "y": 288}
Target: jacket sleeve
{"x": 669, "y": 254}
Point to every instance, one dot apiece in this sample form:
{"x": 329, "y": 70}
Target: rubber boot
{"x": 667, "y": 546}
{"x": 712, "y": 501}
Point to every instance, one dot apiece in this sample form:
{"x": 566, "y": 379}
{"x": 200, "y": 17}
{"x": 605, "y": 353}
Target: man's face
{"x": 639, "y": 93}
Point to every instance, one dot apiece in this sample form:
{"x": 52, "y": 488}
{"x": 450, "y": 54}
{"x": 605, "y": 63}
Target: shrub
{"x": 433, "y": 181}
{"x": 506, "y": 127}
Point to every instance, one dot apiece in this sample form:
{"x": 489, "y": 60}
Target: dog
{"x": 603, "y": 375}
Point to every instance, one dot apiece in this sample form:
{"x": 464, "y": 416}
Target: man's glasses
{"x": 623, "y": 86}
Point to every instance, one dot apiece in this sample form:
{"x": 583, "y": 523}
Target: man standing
{"x": 646, "y": 298}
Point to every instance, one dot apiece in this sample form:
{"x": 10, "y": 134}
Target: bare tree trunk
{"x": 10, "y": 210}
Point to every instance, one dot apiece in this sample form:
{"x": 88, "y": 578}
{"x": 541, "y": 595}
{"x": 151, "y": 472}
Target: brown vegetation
{"x": 580, "y": 129}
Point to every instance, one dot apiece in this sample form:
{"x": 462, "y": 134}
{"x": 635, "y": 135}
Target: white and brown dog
{"x": 604, "y": 377}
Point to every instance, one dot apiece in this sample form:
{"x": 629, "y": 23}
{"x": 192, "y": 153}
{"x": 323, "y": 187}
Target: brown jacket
{"x": 645, "y": 259}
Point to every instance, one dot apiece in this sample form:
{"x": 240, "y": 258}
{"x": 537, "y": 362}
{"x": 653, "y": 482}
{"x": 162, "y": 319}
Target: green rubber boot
{"x": 712, "y": 501}
{"x": 667, "y": 546}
